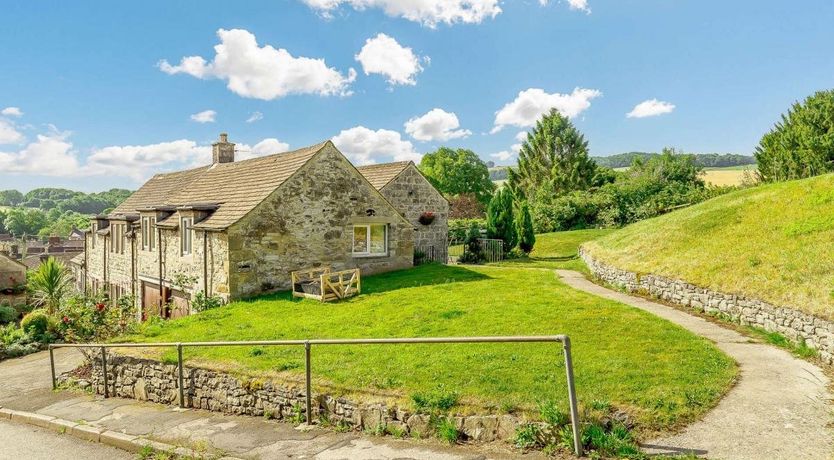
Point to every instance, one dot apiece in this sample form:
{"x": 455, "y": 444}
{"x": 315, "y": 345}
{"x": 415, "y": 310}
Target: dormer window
{"x": 185, "y": 235}
{"x": 117, "y": 237}
{"x": 148, "y": 234}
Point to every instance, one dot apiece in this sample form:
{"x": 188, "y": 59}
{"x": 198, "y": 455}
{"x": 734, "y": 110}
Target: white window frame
{"x": 367, "y": 228}
{"x": 185, "y": 235}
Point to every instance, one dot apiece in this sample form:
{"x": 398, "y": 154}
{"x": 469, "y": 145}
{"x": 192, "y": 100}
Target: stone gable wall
{"x": 413, "y": 195}
{"x": 797, "y": 326}
{"x": 148, "y": 380}
{"x": 308, "y": 222}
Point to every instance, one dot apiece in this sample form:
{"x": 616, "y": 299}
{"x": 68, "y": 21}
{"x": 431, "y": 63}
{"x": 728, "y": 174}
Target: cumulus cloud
{"x": 262, "y": 72}
{"x": 206, "y": 116}
{"x": 366, "y": 146}
{"x": 9, "y": 133}
{"x": 650, "y": 108}
{"x": 141, "y": 161}
{"x": 12, "y": 112}
{"x": 581, "y": 5}
{"x": 267, "y": 146}
{"x": 385, "y": 56}
{"x": 532, "y": 103}
{"x": 503, "y": 155}
{"x": 426, "y": 12}
{"x": 49, "y": 155}
{"x": 435, "y": 125}
{"x": 256, "y": 116}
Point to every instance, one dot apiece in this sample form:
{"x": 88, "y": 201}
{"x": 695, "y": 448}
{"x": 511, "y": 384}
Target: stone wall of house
{"x": 308, "y": 222}
{"x": 413, "y": 195}
{"x": 149, "y": 380}
{"x": 793, "y": 324}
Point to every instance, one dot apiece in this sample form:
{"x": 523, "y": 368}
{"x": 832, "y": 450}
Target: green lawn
{"x": 558, "y": 250}
{"x": 623, "y": 356}
{"x": 771, "y": 242}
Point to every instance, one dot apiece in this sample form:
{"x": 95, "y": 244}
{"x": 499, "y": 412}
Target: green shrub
{"x": 526, "y": 436}
{"x": 201, "y": 302}
{"x": 459, "y": 228}
{"x": 35, "y": 322}
{"x": 7, "y": 314}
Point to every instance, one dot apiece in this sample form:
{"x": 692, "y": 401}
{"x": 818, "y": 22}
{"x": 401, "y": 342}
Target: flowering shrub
{"x": 91, "y": 318}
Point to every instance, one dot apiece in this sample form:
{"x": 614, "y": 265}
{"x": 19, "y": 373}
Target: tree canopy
{"x": 801, "y": 144}
{"x": 553, "y": 159}
{"x": 456, "y": 172}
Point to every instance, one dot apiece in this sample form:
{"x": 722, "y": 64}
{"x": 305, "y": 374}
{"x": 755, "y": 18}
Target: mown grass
{"x": 558, "y": 250}
{"x": 659, "y": 372}
{"x": 771, "y": 242}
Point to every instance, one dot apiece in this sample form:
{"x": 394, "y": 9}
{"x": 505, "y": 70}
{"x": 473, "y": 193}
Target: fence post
{"x": 104, "y": 371}
{"x": 180, "y": 375}
{"x": 574, "y": 412}
{"x": 52, "y": 368}
{"x": 309, "y": 395}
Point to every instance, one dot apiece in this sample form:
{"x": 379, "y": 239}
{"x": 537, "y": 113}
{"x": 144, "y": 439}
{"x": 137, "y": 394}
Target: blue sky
{"x": 86, "y": 103}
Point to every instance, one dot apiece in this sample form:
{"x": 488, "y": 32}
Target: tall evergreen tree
{"x": 802, "y": 143}
{"x": 500, "y": 218}
{"x": 526, "y": 234}
{"x": 553, "y": 160}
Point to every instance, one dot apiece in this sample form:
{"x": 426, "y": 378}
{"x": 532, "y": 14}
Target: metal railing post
{"x": 180, "y": 378}
{"x": 574, "y": 412}
{"x": 308, "y": 392}
{"x": 52, "y": 368}
{"x": 104, "y": 371}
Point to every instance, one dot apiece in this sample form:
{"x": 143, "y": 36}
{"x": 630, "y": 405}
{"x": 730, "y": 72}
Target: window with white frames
{"x": 148, "y": 234}
{"x": 185, "y": 235}
{"x": 370, "y": 240}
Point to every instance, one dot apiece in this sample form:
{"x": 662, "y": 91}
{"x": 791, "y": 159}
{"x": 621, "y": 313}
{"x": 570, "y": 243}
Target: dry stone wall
{"x": 149, "y": 380}
{"x": 797, "y": 326}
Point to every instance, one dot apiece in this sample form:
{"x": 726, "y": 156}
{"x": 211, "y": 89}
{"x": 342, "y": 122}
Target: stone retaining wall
{"x": 815, "y": 332}
{"x": 149, "y": 380}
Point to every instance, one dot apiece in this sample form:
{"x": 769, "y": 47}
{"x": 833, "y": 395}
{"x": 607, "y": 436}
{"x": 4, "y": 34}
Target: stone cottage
{"x": 235, "y": 229}
{"x": 12, "y": 273}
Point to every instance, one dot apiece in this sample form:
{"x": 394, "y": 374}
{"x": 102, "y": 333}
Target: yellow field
{"x": 726, "y": 176}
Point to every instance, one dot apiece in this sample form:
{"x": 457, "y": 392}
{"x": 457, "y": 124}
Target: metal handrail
{"x": 563, "y": 339}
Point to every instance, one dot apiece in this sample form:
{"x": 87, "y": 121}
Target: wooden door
{"x": 150, "y": 301}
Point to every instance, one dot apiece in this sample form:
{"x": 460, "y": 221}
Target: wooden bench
{"x": 325, "y": 285}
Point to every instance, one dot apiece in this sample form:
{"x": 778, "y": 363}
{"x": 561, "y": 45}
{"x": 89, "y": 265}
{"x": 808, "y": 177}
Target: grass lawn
{"x": 558, "y": 250}
{"x": 771, "y": 242}
{"x": 657, "y": 371}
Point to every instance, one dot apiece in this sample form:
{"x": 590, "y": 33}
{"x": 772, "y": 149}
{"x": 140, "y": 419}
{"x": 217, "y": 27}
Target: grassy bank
{"x": 772, "y": 242}
{"x": 657, "y": 371}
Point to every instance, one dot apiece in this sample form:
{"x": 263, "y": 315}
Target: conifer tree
{"x": 500, "y": 220}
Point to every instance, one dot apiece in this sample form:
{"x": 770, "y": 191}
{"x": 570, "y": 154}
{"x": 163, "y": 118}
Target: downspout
{"x": 133, "y": 276}
{"x": 205, "y": 263}
{"x": 106, "y": 268}
{"x": 159, "y": 247}
{"x": 86, "y": 263}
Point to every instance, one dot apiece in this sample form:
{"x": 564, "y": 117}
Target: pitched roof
{"x": 236, "y": 187}
{"x": 381, "y": 174}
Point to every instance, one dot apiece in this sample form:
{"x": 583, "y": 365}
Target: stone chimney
{"x": 223, "y": 151}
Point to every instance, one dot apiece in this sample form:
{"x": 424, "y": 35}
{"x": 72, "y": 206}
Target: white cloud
{"x": 506, "y": 155}
{"x": 435, "y": 125}
{"x": 50, "y": 155}
{"x": 521, "y": 136}
{"x": 12, "y": 112}
{"x": 365, "y": 146}
{"x": 9, "y": 133}
{"x": 503, "y": 155}
{"x": 532, "y": 103}
{"x": 650, "y": 108}
{"x": 267, "y": 146}
{"x": 206, "y": 116}
{"x": 426, "y": 12}
{"x": 581, "y": 5}
{"x": 383, "y": 55}
{"x": 262, "y": 72}
{"x": 141, "y": 161}
{"x": 256, "y": 116}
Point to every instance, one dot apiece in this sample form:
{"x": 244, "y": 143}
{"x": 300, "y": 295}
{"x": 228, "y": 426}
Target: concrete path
{"x": 25, "y": 386}
{"x": 35, "y": 443}
{"x": 779, "y": 409}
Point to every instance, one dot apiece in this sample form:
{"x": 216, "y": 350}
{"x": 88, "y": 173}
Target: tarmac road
{"x": 21, "y": 442}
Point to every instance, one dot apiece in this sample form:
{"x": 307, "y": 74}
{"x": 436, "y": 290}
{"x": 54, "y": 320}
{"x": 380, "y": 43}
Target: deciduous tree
{"x": 456, "y": 172}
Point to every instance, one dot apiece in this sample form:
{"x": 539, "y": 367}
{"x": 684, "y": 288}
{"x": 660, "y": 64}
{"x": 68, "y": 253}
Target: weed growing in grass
{"x": 527, "y": 436}
{"x": 452, "y": 314}
{"x": 257, "y": 351}
{"x": 446, "y": 430}
{"x": 438, "y": 399}
{"x": 145, "y": 453}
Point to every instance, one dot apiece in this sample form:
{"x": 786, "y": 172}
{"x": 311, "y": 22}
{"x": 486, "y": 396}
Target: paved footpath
{"x": 34, "y": 443}
{"x": 779, "y": 409}
{"x": 25, "y": 386}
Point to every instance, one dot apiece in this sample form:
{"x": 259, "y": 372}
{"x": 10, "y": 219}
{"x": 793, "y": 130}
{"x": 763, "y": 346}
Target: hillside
{"x": 704, "y": 160}
{"x": 772, "y": 242}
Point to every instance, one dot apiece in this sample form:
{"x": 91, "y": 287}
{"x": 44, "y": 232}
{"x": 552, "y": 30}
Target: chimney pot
{"x": 224, "y": 137}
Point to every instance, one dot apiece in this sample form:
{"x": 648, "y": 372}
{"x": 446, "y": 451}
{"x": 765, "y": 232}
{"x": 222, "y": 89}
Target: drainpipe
{"x": 159, "y": 248}
{"x": 133, "y": 274}
{"x": 86, "y": 263}
{"x": 106, "y": 268}
{"x": 205, "y": 263}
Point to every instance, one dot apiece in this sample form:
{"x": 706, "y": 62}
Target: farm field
{"x": 729, "y": 176}
{"x": 661, "y": 374}
{"x": 771, "y": 242}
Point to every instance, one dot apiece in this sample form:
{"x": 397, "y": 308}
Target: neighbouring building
{"x": 12, "y": 273}
{"x": 235, "y": 229}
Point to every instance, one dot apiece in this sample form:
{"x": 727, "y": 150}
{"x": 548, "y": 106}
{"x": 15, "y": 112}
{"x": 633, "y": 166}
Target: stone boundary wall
{"x": 797, "y": 326}
{"x": 149, "y": 380}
